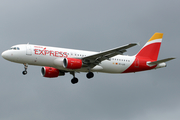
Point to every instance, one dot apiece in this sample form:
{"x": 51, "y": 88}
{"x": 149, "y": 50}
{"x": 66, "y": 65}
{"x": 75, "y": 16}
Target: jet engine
{"x": 72, "y": 63}
{"x": 51, "y": 72}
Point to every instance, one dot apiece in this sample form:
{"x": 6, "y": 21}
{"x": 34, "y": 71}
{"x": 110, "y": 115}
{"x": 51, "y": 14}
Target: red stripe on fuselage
{"x": 147, "y": 54}
{"x": 140, "y": 64}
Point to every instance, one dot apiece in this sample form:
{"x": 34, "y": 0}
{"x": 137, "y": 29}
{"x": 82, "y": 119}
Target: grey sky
{"x": 90, "y": 25}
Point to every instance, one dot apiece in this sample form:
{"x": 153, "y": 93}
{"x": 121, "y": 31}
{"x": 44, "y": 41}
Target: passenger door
{"x": 28, "y": 50}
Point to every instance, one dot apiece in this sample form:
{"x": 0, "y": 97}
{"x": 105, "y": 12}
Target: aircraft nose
{"x": 4, "y": 55}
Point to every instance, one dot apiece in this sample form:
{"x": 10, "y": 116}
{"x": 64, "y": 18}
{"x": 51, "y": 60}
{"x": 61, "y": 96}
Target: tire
{"x": 90, "y": 75}
{"x": 24, "y": 72}
{"x": 74, "y": 80}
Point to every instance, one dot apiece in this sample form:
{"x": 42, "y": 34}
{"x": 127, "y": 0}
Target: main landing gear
{"x": 90, "y": 75}
{"x": 25, "y": 69}
{"x": 75, "y": 80}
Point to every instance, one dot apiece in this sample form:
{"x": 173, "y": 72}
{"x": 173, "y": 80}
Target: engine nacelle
{"x": 72, "y": 63}
{"x": 50, "y": 72}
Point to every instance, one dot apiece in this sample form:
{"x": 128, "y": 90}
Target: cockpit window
{"x": 14, "y": 48}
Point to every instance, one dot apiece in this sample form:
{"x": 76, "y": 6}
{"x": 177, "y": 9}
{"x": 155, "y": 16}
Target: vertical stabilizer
{"x": 151, "y": 49}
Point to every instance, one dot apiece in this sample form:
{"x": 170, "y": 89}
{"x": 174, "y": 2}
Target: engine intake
{"x": 72, "y": 63}
{"x": 51, "y": 72}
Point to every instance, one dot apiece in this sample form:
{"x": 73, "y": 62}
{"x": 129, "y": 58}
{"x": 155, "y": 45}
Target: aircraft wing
{"x": 105, "y": 55}
{"x": 160, "y": 61}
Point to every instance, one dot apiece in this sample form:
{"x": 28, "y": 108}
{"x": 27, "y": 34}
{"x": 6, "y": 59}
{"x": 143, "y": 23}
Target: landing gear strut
{"x": 74, "y": 80}
{"x": 25, "y": 69}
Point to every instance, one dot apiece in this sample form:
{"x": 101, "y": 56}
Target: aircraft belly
{"x": 39, "y": 60}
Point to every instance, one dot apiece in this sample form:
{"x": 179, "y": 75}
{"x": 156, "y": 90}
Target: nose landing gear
{"x": 25, "y": 69}
{"x": 24, "y": 72}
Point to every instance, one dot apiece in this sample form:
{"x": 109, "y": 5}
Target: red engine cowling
{"x": 72, "y": 63}
{"x": 49, "y": 72}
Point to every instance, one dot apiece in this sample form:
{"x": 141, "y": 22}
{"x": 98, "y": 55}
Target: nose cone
{"x": 10, "y": 56}
{"x": 5, "y": 55}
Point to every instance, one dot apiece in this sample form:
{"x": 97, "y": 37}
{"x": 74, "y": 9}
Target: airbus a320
{"x": 58, "y": 61}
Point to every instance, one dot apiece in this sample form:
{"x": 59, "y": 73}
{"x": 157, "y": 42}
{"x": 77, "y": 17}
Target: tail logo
{"x": 147, "y": 54}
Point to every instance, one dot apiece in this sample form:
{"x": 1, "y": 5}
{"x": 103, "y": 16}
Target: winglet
{"x": 139, "y": 43}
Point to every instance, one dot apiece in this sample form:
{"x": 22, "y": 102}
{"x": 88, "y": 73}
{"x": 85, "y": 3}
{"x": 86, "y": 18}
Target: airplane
{"x": 58, "y": 61}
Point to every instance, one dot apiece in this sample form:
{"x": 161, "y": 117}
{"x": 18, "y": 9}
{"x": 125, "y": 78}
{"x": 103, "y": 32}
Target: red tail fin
{"x": 151, "y": 49}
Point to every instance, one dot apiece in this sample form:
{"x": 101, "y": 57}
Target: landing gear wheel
{"x": 24, "y": 72}
{"x": 25, "y": 69}
{"x": 90, "y": 75}
{"x": 74, "y": 80}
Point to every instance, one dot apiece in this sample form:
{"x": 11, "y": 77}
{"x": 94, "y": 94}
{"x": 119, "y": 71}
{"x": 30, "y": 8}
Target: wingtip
{"x": 139, "y": 43}
{"x": 172, "y": 58}
{"x": 133, "y": 44}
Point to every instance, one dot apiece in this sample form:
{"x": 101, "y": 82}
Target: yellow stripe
{"x": 156, "y": 36}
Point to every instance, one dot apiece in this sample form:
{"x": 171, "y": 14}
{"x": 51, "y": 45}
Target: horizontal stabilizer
{"x": 160, "y": 61}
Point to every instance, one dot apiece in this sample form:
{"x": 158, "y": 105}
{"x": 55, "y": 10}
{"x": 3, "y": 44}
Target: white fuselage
{"x": 52, "y": 56}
